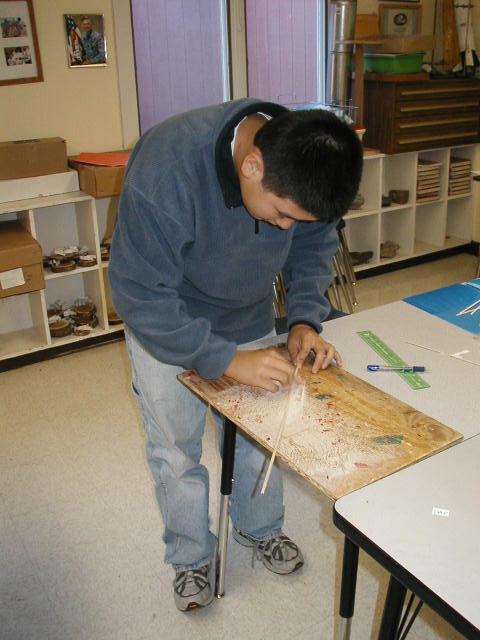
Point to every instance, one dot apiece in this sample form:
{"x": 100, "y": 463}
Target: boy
{"x": 217, "y": 201}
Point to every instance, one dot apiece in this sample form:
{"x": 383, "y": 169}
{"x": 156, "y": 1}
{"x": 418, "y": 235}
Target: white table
{"x": 453, "y": 397}
{"x": 437, "y": 557}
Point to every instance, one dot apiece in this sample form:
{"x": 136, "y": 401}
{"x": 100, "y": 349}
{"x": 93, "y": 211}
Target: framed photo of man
{"x": 85, "y": 39}
{"x": 400, "y": 19}
{"x": 19, "y": 54}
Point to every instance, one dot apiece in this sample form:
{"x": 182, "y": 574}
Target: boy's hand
{"x": 302, "y": 339}
{"x": 264, "y": 368}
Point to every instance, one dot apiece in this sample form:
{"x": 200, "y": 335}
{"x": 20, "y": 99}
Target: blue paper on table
{"x": 447, "y": 302}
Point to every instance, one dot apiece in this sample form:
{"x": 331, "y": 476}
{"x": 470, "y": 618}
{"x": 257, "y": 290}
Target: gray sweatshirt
{"x": 190, "y": 277}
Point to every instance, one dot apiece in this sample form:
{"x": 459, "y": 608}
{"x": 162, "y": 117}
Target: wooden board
{"x": 350, "y": 433}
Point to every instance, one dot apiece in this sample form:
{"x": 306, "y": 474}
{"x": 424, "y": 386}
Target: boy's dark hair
{"x": 314, "y": 159}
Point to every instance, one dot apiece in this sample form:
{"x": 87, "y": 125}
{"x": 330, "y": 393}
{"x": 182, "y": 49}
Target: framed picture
{"x": 19, "y": 54}
{"x": 400, "y": 19}
{"x": 85, "y": 39}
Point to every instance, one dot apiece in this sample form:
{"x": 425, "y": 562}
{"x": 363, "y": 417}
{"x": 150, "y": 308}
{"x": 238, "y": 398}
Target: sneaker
{"x": 278, "y": 554}
{"x": 192, "y": 589}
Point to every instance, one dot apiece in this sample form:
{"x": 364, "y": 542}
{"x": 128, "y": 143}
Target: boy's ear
{"x": 252, "y": 165}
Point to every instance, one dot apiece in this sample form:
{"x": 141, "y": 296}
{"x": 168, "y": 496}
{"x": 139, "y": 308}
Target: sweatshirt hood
{"x": 225, "y": 169}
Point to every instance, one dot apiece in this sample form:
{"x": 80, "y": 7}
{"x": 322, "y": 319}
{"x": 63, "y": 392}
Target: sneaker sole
{"x": 198, "y": 605}
{"x": 194, "y": 605}
{"x": 298, "y": 566}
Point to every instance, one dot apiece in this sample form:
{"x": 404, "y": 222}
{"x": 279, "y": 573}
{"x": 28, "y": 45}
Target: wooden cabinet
{"x": 410, "y": 116}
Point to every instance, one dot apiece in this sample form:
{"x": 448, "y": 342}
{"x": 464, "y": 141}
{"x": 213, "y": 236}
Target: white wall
{"x": 81, "y": 105}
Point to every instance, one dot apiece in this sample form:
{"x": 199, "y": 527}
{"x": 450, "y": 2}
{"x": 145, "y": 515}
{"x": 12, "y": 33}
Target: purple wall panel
{"x": 282, "y": 50}
{"x": 178, "y": 56}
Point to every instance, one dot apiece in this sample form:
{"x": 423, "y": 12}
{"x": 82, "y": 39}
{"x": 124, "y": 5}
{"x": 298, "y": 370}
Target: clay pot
{"x": 399, "y": 196}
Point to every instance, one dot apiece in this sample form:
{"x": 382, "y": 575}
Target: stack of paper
{"x": 428, "y": 180}
{"x": 459, "y": 176}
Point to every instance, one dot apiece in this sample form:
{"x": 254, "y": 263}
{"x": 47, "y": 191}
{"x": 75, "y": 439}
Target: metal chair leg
{"x": 346, "y": 277}
{"x": 341, "y": 282}
{"x": 348, "y": 262}
{"x": 279, "y": 297}
{"x": 346, "y": 252}
{"x": 338, "y": 302}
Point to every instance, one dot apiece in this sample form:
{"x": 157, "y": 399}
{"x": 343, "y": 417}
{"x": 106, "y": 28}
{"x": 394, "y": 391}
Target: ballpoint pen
{"x": 471, "y": 309}
{"x": 402, "y": 369}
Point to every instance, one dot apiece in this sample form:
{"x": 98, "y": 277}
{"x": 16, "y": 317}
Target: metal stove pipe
{"x": 341, "y": 27}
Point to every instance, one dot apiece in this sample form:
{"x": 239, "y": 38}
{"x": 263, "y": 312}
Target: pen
{"x": 471, "y": 309}
{"x": 405, "y": 369}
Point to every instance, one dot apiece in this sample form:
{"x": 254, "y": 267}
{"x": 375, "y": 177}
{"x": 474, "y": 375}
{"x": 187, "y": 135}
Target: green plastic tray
{"x": 394, "y": 62}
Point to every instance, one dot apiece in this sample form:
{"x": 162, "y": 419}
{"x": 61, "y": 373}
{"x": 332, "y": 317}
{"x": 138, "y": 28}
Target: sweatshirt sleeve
{"x": 307, "y": 272}
{"x": 146, "y": 268}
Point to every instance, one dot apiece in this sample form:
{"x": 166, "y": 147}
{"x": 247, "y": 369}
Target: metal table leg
{"x": 347, "y": 594}
{"x": 228, "y": 458}
{"x": 392, "y": 610}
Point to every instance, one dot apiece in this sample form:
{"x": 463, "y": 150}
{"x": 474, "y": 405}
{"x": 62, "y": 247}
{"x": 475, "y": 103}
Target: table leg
{"x": 228, "y": 458}
{"x": 392, "y": 610}
{"x": 347, "y": 594}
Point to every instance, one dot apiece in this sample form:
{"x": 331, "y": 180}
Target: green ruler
{"x": 391, "y": 358}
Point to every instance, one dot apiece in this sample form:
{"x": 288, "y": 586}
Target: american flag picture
{"x": 74, "y": 42}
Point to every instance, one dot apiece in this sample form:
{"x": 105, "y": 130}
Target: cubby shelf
{"x": 50, "y": 276}
{"x": 420, "y": 228}
{"x": 59, "y": 220}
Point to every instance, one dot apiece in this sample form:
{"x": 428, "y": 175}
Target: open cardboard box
{"x": 99, "y": 182}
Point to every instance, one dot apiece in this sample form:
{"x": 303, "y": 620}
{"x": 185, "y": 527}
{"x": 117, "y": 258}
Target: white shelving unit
{"x": 419, "y": 228}
{"x": 59, "y": 220}
{"x": 77, "y": 218}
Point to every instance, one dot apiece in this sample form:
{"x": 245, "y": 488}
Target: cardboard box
{"x": 366, "y": 26}
{"x": 21, "y": 268}
{"x": 37, "y": 186}
{"x": 26, "y": 158}
{"x": 401, "y": 44}
{"x": 99, "y": 182}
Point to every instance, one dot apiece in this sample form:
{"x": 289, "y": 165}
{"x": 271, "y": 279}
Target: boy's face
{"x": 280, "y": 212}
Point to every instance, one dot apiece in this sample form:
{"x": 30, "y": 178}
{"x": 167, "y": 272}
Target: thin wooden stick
{"x": 279, "y": 433}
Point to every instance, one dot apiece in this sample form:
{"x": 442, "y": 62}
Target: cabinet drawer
{"x": 437, "y": 106}
{"x": 437, "y": 91}
{"x": 429, "y": 133}
{"x": 440, "y": 124}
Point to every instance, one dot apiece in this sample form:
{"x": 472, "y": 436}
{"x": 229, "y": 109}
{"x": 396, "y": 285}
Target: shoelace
{"x": 191, "y": 577}
{"x": 275, "y": 545}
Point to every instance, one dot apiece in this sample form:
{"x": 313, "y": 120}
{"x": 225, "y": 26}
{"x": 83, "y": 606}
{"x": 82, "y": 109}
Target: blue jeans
{"x": 174, "y": 420}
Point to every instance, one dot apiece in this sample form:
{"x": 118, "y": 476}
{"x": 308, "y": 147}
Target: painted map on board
{"x": 347, "y": 434}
